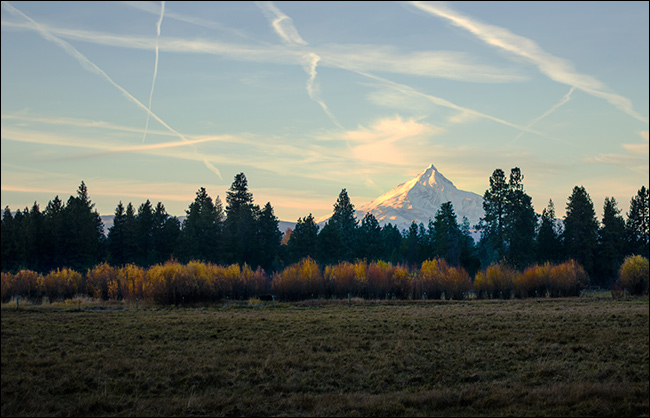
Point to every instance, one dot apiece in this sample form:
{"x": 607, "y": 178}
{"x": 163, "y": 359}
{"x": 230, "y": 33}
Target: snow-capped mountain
{"x": 419, "y": 199}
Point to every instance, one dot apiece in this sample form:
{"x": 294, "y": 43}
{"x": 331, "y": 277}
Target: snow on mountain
{"x": 419, "y": 199}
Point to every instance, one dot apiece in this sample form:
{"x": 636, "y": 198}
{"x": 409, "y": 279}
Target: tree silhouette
{"x": 548, "y": 244}
{"x": 637, "y": 223}
{"x": 520, "y": 222}
{"x": 240, "y": 232}
{"x": 268, "y": 237}
{"x": 610, "y": 251}
{"x": 84, "y": 231}
{"x": 580, "y": 229}
{"x": 492, "y": 226}
{"x": 345, "y": 221}
{"x": 201, "y": 236}
{"x": 304, "y": 237}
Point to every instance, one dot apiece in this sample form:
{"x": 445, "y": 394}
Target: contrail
{"x": 284, "y": 27}
{"x": 445, "y": 103}
{"x": 282, "y": 24}
{"x": 155, "y": 68}
{"x": 564, "y": 99}
{"x": 92, "y": 67}
{"x": 312, "y": 90}
{"x": 557, "y": 69}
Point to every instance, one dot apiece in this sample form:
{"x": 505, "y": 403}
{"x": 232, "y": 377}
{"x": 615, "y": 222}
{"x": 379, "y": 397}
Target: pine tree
{"x": 345, "y": 221}
{"x": 329, "y": 245}
{"x": 548, "y": 238}
{"x": 492, "y": 226}
{"x": 131, "y": 243}
{"x": 446, "y": 235}
{"x": 34, "y": 239}
{"x": 145, "y": 227}
{"x": 412, "y": 244}
{"x": 268, "y": 237}
{"x": 55, "y": 233}
{"x": 240, "y": 224}
{"x": 166, "y": 230}
{"x": 201, "y": 236}
{"x": 369, "y": 243}
{"x": 12, "y": 248}
{"x": 637, "y": 223}
{"x": 580, "y": 229}
{"x": 303, "y": 240}
{"x": 116, "y": 237}
{"x": 392, "y": 243}
{"x": 611, "y": 244}
{"x": 520, "y": 222}
{"x": 84, "y": 231}
{"x": 469, "y": 258}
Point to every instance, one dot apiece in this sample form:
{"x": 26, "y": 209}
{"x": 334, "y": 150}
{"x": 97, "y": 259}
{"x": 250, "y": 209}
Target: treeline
{"x": 71, "y": 235}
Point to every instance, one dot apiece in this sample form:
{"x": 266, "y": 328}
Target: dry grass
{"x": 566, "y": 357}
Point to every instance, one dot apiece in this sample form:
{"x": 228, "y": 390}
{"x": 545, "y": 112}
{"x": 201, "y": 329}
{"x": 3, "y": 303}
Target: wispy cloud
{"x": 557, "y": 69}
{"x": 152, "y": 8}
{"x": 281, "y": 23}
{"x": 641, "y": 149}
{"x": 466, "y": 112}
{"x": 92, "y": 67}
{"x": 392, "y": 141}
{"x": 354, "y": 57}
{"x": 635, "y": 158}
{"x": 105, "y": 148}
{"x": 155, "y": 68}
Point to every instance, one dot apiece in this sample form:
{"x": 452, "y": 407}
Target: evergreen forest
{"x": 70, "y": 234}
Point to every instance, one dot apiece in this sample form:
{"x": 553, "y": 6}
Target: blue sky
{"x": 153, "y": 100}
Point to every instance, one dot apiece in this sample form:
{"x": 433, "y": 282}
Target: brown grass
{"x": 567, "y": 357}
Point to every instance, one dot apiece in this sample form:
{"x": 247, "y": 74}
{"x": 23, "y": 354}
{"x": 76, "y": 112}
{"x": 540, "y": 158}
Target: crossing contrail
{"x": 92, "y": 67}
{"x": 285, "y": 29}
{"x": 555, "y": 107}
{"x": 155, "y": 68}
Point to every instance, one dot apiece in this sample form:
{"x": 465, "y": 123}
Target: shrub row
{"x": 174, "y": 283}
{"x": 169, "y": 283}
{"x": 501, "y": 281}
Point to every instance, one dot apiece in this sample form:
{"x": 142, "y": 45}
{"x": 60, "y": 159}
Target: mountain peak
{"x": 431, "y": 178}
{"x": 419, "y": 198}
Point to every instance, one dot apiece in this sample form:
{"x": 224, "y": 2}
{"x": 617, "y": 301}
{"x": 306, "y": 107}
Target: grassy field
{"x": 563, "y": 357}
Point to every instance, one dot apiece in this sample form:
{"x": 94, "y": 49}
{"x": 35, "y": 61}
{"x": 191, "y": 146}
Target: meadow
{"x": 517, "y": 357}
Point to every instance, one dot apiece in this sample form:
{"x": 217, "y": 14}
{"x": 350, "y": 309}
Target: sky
{"x": 154, "y": 100}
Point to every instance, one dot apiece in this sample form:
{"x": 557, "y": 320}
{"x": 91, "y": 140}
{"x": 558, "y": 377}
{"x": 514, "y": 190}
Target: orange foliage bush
{"x": 567, "y": 279}
{"x": 345, "y": 279}
{"x": 498, "y": 281}
{"x": 168, "y": 284}
{"x": 6, "y": 286}
{"x": 102, "y": 282}
{"x": 438, "y": 279}
{"x": 62, "y": 283}
{"x": 302, "y": 280}
{"x": 533, "y": 282}
{"x": 633, "y": 275}
{"x": 27, "y": 284}
{"x": 131, "y": 280}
